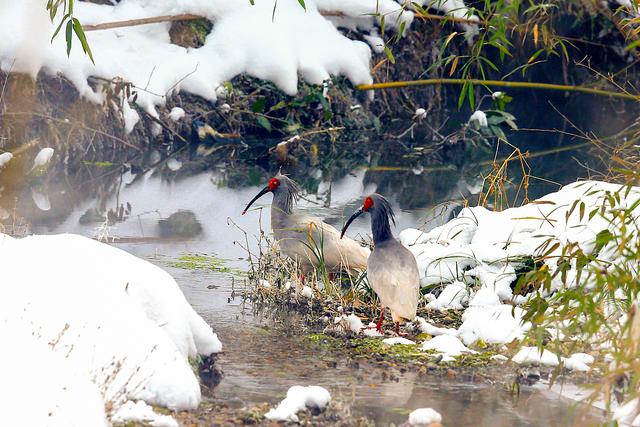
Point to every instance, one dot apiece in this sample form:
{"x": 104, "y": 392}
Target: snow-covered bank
{"x": 253, "y": 39}
{"x": 474, "y": 260}
{"x": 476, "y": 255}
{"x": 104, "y": 326}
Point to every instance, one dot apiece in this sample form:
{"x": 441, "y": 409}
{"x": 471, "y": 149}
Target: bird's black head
{"x": 286, "y": 193}
{"x": 381, "y": 216}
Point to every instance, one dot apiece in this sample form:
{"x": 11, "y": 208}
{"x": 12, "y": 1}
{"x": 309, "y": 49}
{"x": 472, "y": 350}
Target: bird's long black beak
{"x": 262, "y": 192}
{"x": 355, "y": 215}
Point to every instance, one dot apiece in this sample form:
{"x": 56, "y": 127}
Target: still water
{"x": 262, "y": 359}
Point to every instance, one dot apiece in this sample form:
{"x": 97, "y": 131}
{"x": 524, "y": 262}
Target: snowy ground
{"x": 246, "y": 38}
{"x": 84, "y": 321}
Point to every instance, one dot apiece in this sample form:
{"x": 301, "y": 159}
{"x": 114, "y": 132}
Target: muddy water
{"x": 263, "y": 358}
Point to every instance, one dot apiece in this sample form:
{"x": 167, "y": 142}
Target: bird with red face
{"x": 298, "y": 235}
{"x": 392, "y": 269}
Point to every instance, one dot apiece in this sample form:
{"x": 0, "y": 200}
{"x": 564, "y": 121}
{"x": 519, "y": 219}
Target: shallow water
{"x": 262, "y": 359}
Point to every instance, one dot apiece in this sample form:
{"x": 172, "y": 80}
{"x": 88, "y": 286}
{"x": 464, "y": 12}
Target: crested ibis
{"x": 308, "y": 239}
{"x": 391, "y": 269}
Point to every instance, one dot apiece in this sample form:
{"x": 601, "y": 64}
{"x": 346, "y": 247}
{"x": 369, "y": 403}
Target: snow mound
{"x": 278, "y": 46}
{"x": 424, "y": 417}
{"x": 298, "y": 399}
{"x": 428, "y": 328}
{"x": 142, "y": 413}
{"x": 476, "y": 255}
{"x": 447, "y": 345}
{"x": 348, "y": 323}
{"x": 119, "y": 324}
{"x": 532, "y": 355}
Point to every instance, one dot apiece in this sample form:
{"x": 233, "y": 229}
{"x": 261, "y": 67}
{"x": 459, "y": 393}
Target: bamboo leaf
{"x": 302, "y": 4}
{"x": 453, "y": 66}
{"x": 55, "y": 33}
{"x": 451, "y": 36}
{"x": 77, "y": 28}
{"x": 264, "y": 122}
{"x": 69, "y": 36}
{"x": 389, "y": 54}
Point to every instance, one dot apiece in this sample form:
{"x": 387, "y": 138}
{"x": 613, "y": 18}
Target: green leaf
{"x": 471, "y": 96}
{"x": 302, "y": 4}
{"x": 69, "y": 36}
{"x": 262, "y": 121}
{"x": 258, "y": 106}
{"x": 253, "y": 3}
{"x": 55, "y": 33}
{"x": 77, "y": 28}
{"x": 278, "y": 106}
{"x": 389, "y": 54}
{"x": 463, "y": 95}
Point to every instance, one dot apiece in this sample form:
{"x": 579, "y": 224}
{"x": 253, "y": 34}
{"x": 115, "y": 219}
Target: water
{"x": 263, "y": 357}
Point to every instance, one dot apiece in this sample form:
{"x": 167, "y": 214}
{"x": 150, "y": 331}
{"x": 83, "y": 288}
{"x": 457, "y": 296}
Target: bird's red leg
{"x": 398, "y": 333}
{"x": 379, "y": 324}
{"x": 302, "y": 277}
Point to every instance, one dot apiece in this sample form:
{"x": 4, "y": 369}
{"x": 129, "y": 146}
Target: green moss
{"x": 98, "y": 164}
{"x": 201, "y": 28}
{"x": 375, "y": 349}
{"x": 204, "y": 262}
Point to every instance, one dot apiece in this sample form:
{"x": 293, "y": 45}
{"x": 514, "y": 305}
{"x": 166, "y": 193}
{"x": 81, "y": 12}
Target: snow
{"x": 307, "y": 292}
{"x": 42, "y": 158}
{"x": 428, "y": 328}
{"x": 398, "y": 341}
{"x": 349, "y": 323}
{"x": 480, "y": 118}
{"x": 264, "y": 284}
{"x": 110, "y": 327}
{"x": 174, "y": 164}
{"x": 371, "y": 331}
{"x": 475, "y": 256}
{"x": 451, "y": 297}
{"x": 298, "y": 399}
{"x": 4, "y": 158}
{"x": 528, "y": 355}
{"x": 583, "y": 357}
{"x": 42, "y": 386}
{"x": 447, "y": 345}
{"x": 420, "y": 114}
{"x": 493, "y": 324}
{"x": 246, "y": 39}
{"x": 176, "y": 114}
{"x": 627, "y": 414}
{"x": 142, "y": 413}
{"x": 424, "y": 417}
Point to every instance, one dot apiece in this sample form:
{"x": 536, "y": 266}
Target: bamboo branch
{"x": 499, "y": 83}
{"x": 190, "y": 17}
{"x": 141, "y": 21}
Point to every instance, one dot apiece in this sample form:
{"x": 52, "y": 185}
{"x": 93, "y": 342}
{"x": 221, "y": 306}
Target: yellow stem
{"x": 498, "y": 83}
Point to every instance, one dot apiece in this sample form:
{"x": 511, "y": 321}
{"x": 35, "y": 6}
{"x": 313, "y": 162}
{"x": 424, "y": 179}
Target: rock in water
{"x": 180, "y": 224}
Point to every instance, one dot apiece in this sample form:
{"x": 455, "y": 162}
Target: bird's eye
{"x": 273, "y": 183}
{"x": 368, "y": 203}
